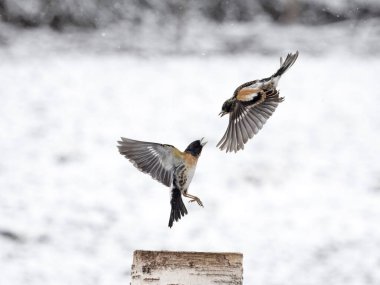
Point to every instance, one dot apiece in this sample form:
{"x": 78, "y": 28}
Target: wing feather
{"x": 244, "y": 128}
{"x": 239, "y": 127}
{"x": 246, "y": 120}
{"x": 233, "y": 133}
{"x": 157, "y": 160}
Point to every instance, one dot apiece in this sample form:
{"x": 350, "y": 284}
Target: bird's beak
{"x": 202, "y": 142}
{"x": 221, "y": 114}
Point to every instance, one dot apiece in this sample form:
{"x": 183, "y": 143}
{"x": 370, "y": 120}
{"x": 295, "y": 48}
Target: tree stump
{"x": 186, "y": 268}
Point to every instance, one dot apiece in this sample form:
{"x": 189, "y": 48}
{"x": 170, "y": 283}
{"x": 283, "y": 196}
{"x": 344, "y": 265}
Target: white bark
{"x": 186, "y": 268}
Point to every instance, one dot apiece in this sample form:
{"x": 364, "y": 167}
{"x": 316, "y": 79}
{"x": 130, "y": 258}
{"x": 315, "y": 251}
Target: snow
{"x": 301, "y": 202}
{"x": 198, "y": 37}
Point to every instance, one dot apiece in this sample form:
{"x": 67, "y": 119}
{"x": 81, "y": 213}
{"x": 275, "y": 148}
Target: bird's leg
{"x": 193, "y": 198}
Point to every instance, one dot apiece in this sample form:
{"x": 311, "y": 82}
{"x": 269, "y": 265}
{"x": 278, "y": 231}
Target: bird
{"x": 251, "y": 106}
{"x": 168, "y": 165}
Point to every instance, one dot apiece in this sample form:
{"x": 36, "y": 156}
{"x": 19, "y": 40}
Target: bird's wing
{"x": 248, "y": 117}
{"x": 158, "y": 160}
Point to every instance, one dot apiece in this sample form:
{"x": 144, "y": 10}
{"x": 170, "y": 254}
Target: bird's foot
{"x": 196, "y": 199}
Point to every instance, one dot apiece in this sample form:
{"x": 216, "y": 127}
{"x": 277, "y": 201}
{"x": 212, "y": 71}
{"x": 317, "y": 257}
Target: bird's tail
{"x": 178, "y": 208}
{"x": 289, "y": 61}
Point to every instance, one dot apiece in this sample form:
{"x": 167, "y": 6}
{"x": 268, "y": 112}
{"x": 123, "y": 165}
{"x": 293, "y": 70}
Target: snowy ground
{"x": 301, "y": 202}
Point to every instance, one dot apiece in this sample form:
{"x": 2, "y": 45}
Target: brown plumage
{"x": 251, "y": 106}
{"x": 169, "y": 166}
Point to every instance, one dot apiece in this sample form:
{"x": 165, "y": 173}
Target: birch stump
{"x": 186, "y": 268}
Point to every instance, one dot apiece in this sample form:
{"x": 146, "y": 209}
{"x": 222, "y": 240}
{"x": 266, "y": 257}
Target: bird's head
{"x": 195, "y": 148}
{"x": 227, "y": 107}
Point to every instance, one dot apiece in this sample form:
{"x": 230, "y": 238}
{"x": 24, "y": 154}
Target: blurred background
{"x": 301, "y": 202}
{"x": 190, "y": 27}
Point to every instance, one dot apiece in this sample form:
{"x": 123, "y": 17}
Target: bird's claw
{"x": 197, "y": 200}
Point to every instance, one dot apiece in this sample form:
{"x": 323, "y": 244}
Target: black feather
{"x": 178, "y": 208}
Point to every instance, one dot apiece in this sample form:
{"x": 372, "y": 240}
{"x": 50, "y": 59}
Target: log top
{"x": 187, "y": 268}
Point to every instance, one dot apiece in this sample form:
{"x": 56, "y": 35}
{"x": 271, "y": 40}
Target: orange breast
{"x": 190, "y": 160}
{"x": 247, "y": 94}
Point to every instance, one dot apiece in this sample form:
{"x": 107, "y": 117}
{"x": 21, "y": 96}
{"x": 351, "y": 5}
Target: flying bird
{"x": 169, "y": 166}
{"x": 251, "y": 106}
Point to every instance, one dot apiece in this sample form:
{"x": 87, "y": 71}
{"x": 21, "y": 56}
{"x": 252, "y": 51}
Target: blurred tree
{"x": 227, "y": 10}
{"x": 21, "y": 12}
{"x": 99, "y": 13}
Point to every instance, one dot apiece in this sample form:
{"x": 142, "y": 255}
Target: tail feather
{"x": 178, "y": 208}
{"x": 289, "y": 61}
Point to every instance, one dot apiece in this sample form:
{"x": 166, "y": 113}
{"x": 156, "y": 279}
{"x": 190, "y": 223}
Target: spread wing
{"x": 158, "y": 160}
{"x": 248, "y": 117}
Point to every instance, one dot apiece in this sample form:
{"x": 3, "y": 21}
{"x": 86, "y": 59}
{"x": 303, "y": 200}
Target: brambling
{"x": 251, "y": 106}
{"x": 169, "y": 166}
